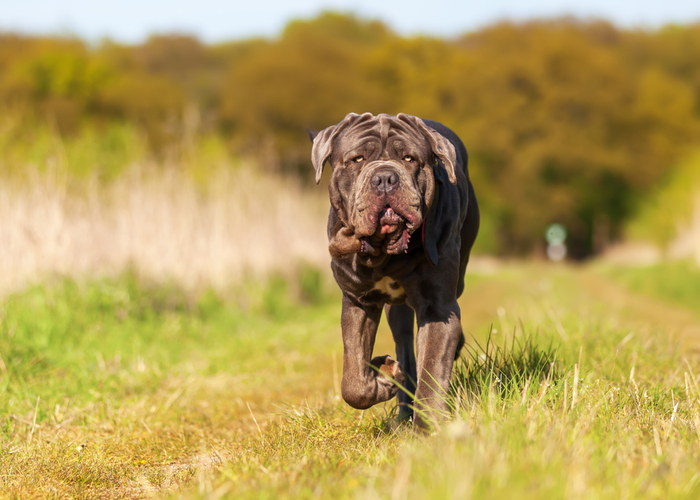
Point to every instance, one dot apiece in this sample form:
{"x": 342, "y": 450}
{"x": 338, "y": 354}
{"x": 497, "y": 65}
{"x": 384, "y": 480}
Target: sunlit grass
{"x": 118, "y": 388}
{"x": 115, "y": 388}
{"x": 677, "y": 282}
{"x": 508, "y": 369}
{"x": 531, "y": 419}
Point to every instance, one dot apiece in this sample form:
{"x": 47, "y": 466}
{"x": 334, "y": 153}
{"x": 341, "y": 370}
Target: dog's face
{"x": 383, "y": 180}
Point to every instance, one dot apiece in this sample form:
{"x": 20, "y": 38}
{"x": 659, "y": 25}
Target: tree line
{"x": 565, "y": 121}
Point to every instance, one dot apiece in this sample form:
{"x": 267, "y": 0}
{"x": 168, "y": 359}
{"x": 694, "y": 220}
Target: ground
{"x": 577, "y": 382}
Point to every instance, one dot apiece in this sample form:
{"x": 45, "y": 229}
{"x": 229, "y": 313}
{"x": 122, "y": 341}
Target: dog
{"x": 402, "y": 222}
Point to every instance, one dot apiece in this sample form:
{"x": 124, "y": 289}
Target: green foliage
{"x": 104, "y": 151}
{"x": 487, "y": 242}
{"x": 275, "y": 300}
{"x": 311, "y": 78}
{"x": 310, "y": 284}
{"x": 661, "y": 216}
{"x": 565, "y": 121}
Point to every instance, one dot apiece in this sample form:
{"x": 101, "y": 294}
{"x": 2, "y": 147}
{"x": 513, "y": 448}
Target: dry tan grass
{"x": 160, "y": 223}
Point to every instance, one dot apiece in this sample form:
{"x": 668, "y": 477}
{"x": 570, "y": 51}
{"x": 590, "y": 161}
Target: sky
{"x": 131, "y": 21}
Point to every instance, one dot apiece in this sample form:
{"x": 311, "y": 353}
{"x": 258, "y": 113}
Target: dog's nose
{"x": 385, "y": 180}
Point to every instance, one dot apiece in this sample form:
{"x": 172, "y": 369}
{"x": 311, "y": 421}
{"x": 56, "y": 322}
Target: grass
{"x": 162, "y": 223}
{"x": 509, "y": 369}
{"x": 97, "y": 203}
{"x": 676, "y": 282}
{"x": 119, "y": 388}
{"x": 207, "y": 363}
{"x": 96, "y": 376}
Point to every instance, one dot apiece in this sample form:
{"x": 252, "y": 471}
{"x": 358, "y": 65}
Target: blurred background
{"x": 170, "y": 139}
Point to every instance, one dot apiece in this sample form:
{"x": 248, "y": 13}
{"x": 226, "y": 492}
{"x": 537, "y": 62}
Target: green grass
{"x": 508, "y": 369}
{"x": 133, "y": 372}
{"x": 677, "y": 282}
{"x": 116, "y": 388}
{"x": 119, "y": 337}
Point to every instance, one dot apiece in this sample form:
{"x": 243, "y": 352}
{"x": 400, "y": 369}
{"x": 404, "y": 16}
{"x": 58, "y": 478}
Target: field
{"x": 576, "y": 383}
{"x": 168, "y": 324}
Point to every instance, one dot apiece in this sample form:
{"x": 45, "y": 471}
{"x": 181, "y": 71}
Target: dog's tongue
{"x": 391, "y": 235}
{"x": 388, "y": 220}
{"x": 397, "y": 243}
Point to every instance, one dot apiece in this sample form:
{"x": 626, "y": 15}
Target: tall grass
{"x": 161, "y": 223}
{"x": 508, "y": 369}
{"x": 97, "y": 203}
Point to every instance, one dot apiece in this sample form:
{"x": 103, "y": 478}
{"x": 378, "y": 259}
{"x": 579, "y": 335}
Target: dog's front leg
{"x": 439, "y": 334}
{"x": 366, "y": 381}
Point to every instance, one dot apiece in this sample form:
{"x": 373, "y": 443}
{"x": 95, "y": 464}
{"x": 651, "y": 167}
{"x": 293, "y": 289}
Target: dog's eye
{"x": 358, "y": 159}
{"x": 408, "y": 158}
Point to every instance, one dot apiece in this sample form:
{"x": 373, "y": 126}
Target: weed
{"x": 508, "y": 369}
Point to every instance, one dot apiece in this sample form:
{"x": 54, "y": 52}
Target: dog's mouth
{"x": 392, "y": 234}
{"x": 389, "y": 220}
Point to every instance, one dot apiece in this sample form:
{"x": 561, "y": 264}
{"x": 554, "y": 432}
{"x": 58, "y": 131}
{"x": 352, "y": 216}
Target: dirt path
{"x": 524, "y": 291}
{"x": 679, "y": 321}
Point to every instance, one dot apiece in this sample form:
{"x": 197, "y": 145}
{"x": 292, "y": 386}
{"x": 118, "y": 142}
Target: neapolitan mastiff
{"x": 402, "y": 222}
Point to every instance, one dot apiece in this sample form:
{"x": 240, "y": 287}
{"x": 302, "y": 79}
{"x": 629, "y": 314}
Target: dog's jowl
{"x": 403, "y": 220}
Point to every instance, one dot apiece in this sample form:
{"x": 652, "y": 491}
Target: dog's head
{"x": 383, "y": 180}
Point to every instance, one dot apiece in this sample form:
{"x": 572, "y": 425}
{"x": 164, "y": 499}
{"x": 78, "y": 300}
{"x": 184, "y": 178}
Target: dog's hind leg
{"x": 400, "y": 318}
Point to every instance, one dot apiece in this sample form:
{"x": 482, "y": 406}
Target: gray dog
{"x": 403, "y": 220}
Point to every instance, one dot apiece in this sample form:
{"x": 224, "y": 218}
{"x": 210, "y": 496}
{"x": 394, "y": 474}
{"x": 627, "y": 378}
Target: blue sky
{"x": 216, "y": 20}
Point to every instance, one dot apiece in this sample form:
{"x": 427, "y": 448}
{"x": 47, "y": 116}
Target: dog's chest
{"x": 389, "y": 287}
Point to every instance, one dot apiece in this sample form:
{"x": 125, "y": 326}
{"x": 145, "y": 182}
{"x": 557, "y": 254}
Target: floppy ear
{"x": 442, "y": 148}
{"x": 321, "y": 150}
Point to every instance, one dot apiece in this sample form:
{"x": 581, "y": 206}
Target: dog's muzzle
{"x": 390, "y": 209}
{"x": 385, "y": 180}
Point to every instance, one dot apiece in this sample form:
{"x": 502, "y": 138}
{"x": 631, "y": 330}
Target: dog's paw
{"x": 389, "y": 368}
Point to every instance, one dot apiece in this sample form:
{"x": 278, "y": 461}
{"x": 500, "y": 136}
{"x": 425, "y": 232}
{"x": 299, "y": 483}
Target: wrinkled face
{"x": 382, "y": 180}
{"x": 380, "y": 173}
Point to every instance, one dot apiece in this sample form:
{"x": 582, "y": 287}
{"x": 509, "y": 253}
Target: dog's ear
{"x": 322, "y": 141}
{"x": 312, "y": 134}
{"x": 321, "y": 149}
{"x": 442, "y": 148}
